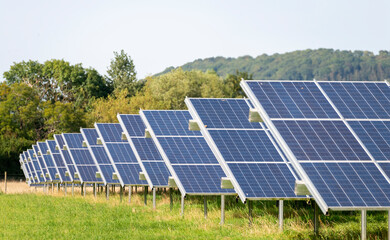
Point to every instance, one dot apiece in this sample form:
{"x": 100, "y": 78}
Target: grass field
{"x": 26, "y": 214}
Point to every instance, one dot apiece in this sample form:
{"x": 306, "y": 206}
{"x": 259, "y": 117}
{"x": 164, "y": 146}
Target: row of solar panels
{"x": 331, "y": 137}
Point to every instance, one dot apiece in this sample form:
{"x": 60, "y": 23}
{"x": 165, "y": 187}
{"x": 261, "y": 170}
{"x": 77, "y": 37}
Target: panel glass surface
{"x": 292, "y": 99}
{"x": 359, "y": 100}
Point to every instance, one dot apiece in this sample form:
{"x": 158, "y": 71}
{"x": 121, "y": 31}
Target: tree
{"x": 57, "y": 80}
{"x": 122, "y": 73}
{"x": 232, "y": 84}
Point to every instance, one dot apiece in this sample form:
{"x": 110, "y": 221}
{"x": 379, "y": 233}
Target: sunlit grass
{"x": 38, "y": 215}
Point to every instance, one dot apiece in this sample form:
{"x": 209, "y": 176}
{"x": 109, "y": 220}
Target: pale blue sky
{"x": 159, "y": 34}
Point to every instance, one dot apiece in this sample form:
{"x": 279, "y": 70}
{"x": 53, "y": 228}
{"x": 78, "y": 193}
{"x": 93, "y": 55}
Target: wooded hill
{"x": 321, "y": 64}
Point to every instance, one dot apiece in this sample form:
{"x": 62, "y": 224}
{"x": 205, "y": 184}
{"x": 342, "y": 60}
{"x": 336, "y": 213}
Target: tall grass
{"x": 47, "y": 216}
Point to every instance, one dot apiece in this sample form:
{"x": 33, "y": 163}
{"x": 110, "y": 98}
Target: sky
{"x": 160, "y": 34}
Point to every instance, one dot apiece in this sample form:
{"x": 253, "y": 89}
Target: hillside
{"x": 321, "y": 64}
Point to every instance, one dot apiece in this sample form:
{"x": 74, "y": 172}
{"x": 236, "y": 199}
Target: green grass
{"x": 38, "y": 216}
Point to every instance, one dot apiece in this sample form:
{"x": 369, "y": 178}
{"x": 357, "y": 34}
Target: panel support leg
{"x": 281, "y": 215}
{"x": 171, "y": 198}
{"x": 72, "y": 188}
{"x": 95, "y": 190}
{"x": 65, "y": 189}
{"x": 52, "y": 188}
{"x": 145, "y": 195}
{"x": 222, "y": 209}
{"x": 85, "y": 189}
{"x": 136, "y": 189}
{"x": 364, "y": 225}
{"x": 58, "y": 187}
{"x": 205, "y": 207}
{"x": 182, "y": 205}
{"x": 316, "y": 219}
{"x": 81, "y": 189}
{"x": 154, "y": 198}
{"x": 121, "y": 193}
{"x": 250, "y": 211}
{"x": 107, "y": 191}
{"x": 130, "y": 189}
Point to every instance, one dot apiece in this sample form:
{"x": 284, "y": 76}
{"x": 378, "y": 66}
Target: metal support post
{"x": 82, "y": 189}
{"x": 154, "y": 198}
{"x": 94, "y": 189}
{"x": 52, "y": 188}
{"x": 316, "y": 222}
{"x": 171, "y": 198}
{"x": 364, "y": 225}
{"x": 85, "y": 189}
{"x": 136, "y": 189}
{"x": 72, "y": 188}
{"x": 121, "y": 193}
{"x": 65, "y": 189}
{"x": 250, "y": 212}
{"x": 130, "y": 190}
{"x": 222, "y": 209}
{"x": 182, "y": 205}
{"x": 281, "y": 215}
{"x": 58, "y": 187}
{"x": 205, "y": 207}
{"x": 145, "y": 195}
{"x": 107, "y": 191}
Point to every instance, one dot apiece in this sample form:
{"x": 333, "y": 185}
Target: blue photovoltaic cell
{"x": 111, "y": 132}
{"x": 349, "y": 184}
{"x": 224, "y": 113}
{"x": 375, "y": 135}
{"x": 42, "y": 147}
{"x": 35, "y": 165}
{"x": 320, "y": 140}
{"x": 264, "y": 180}
{"x": 81, "y": 157}
{"x": 201, "y": 178}
{"x": 386, "y": 167}
{"x": 133, "y": 124}
{"x": 65, "y": 157}
{"x": 51, "y": 169}
{"x": 146, "y": 149}
{"x": 121, "y": 154}
{"x": 73, "y": 140}
{"x": 187, "y": 152}
{"x": 292, "y": 99}
{"x": 41, "y": 164}
{"x": 130, "y": 174}
{"x": 28, "y": 167}
{"x": 157, "y": 172}
{"x": 99, "y": 155}
{"x": 183, "y": 150}
{"x": 58, "y": 160}
{"x": 358, "y": 99}
{"x": 170, "y": 123}
{"x": 249, "y": 153}
{"x": 245, "y": 146}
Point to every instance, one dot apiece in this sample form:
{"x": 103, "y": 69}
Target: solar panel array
{"x": 58, "y": 161}
{"x": 250, "y": 156}
{"x": 186, "y": 153}
{"x": 145, "y": 150}
{"x": 68, "y": 163}
{"x": 318, "y": 123}
{"x": 29, "y": 167}
{"x": 120, "y": 153}
{"x": 81, "y": 157}
{"x": 99, "y": 155}
{"x": 41, "y": 165}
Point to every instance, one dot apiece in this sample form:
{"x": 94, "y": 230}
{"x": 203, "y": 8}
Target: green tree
{"x": 232, "y": 83}
{"x": 122, "y": 73}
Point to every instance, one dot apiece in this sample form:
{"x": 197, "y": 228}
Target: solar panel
{"x": 249, "y": 155}
{"x": 29, "y": 167}
{"x": 99, "y": 156}
{"x": 35, "y": 165}
{"x": 326, "y": 149}
{"x": 58, "y": 161}
{"x": 41, "y": 164}
{"x": 81, "y": 158}
{"x": 359, "y": 100}
{"x": 120, "y": 154}
{"x": 186, "y": 153}
{"x": 48, "y": 161}
{"x": 150, "y": 160}
{"x": 68, "y": 163}
{"x": 25, "y": 168}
